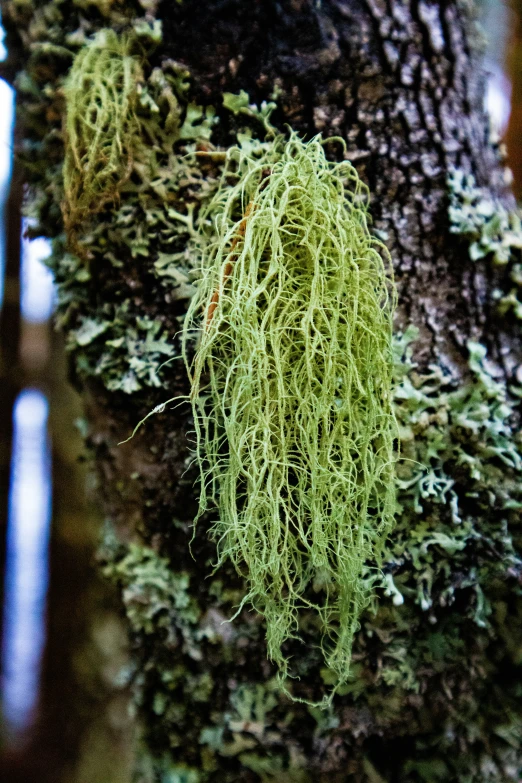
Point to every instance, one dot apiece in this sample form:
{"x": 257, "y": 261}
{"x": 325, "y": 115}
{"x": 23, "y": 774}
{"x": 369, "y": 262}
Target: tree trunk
{"x": 436, "y": 665}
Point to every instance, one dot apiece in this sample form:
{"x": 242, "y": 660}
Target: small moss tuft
{"x": 101, "y": 124}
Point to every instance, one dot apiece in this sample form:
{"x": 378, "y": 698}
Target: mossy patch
{"x": 101, "y": 124}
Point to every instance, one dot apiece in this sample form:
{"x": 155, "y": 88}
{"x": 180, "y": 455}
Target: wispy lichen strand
{"x": 291, "y": 391}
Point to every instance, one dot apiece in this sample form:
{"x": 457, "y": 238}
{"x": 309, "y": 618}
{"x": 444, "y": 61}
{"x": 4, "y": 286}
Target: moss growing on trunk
{"x": 101, "y": 124}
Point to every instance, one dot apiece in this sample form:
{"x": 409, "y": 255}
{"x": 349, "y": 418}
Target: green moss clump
{"x": 151, "y": 233}
{"x": 291, "y": 391}
{"x": 101, "y": 124}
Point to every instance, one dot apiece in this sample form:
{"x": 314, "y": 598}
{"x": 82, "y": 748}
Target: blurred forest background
{"x": 65, "y": 718}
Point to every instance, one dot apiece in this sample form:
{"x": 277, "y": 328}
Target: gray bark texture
{"x": 436, "y": 684}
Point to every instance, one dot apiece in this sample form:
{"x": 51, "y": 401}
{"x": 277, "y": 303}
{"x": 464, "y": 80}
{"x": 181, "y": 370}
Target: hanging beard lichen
{"x": 291, "y": 392}
{"x": 101, "y": 125}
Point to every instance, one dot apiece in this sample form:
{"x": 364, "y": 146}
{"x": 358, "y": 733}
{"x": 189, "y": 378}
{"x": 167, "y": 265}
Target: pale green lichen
{"x": 240, "y": 104}
{"x": 460, "y": 466}
{"x": 155, "y": 221}
{"x": 291, "y": 390}
{"x": 492, "y": 230}
{"x": 154, "y": 596}
{"x": 132, "y": 355}
{"x": 154, "y": 769}
{"x": 456, "y": 432}
{"x": 101, "y": 124}
{"x": 470, "y": 427}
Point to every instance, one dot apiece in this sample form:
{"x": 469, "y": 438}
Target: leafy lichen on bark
{"x": 435, "y": 692}
{"x": 492, "y": 231}
{"x": 460, "y": 492}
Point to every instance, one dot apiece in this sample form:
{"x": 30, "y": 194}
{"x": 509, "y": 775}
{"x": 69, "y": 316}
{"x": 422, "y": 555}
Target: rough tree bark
{"x": 401, "y": 82}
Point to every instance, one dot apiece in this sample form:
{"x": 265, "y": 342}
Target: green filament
{"x": 101, "y": 124}
{"x": 291, "y": 391}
